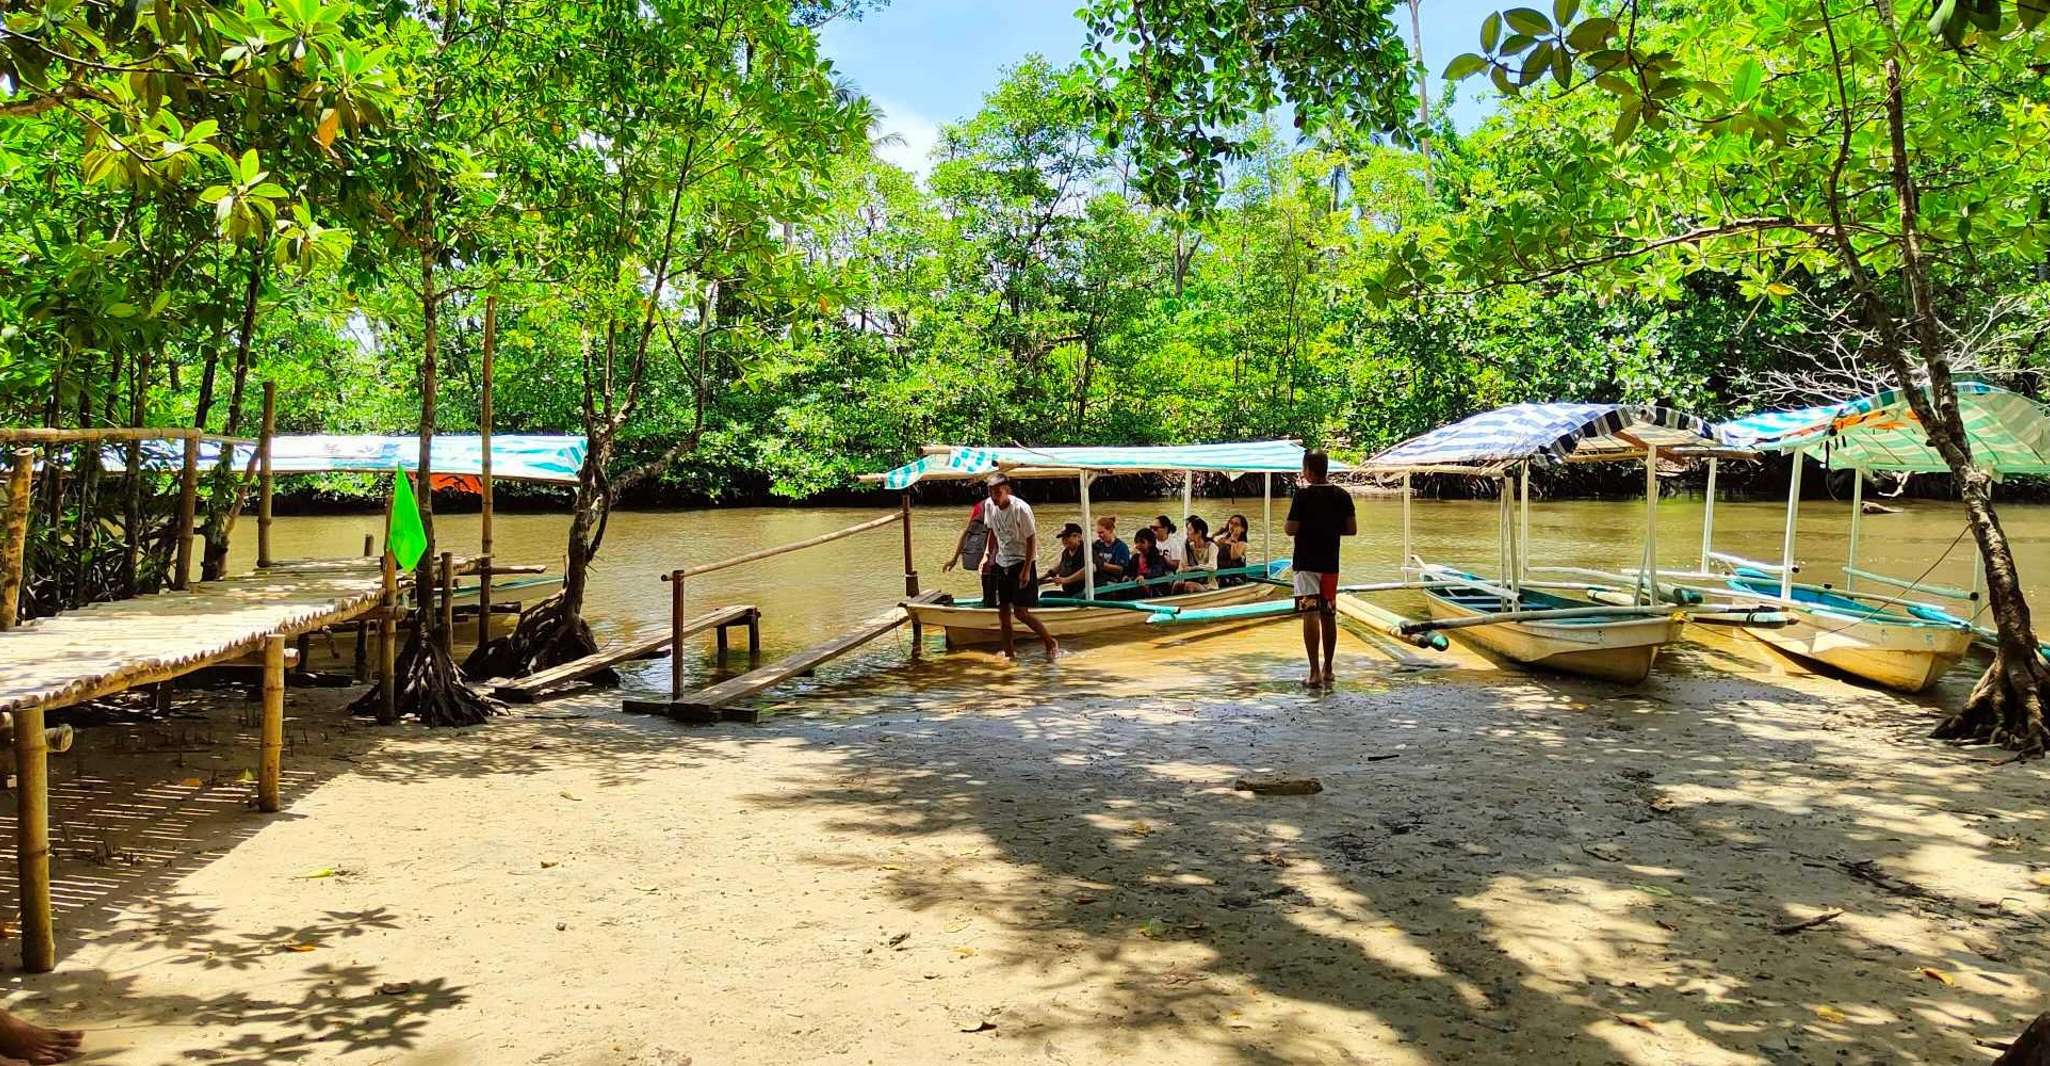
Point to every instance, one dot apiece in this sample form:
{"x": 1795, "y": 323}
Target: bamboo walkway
{"x": 107, "y": 647}
{"x": 104, "y": 648}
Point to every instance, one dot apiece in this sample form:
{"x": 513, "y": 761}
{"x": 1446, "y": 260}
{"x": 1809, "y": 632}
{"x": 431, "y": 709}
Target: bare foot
{"x": 1053, "y": 650}
{"x": 1315, "y": 680}
{"x": 1329, "y": 680}
{"x": 34, "y": 1044}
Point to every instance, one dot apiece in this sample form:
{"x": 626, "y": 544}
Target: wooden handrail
{"x": 809, "y": 542}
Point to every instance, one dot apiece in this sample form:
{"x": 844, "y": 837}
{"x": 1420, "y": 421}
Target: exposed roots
{"x": 548, "y": 635}
{"x": 2005, "y": 707}
{"x": 431, "y": 689}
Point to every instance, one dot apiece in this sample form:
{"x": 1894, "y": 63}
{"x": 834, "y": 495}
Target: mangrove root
{"x": 2005, "y": 707}
{"x": 431, "y": 688}
{"x": 548, "y": 635}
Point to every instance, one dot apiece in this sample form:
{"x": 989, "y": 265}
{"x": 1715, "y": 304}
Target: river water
{"x": 807, "y": 595}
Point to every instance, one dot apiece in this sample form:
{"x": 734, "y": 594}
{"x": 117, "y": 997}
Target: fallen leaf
{"x": 245, "y": 777}
{"x": 1656, "y": 890}
{"x": 965, "y": 951}
{"x": 1636, "y": 1023}
{"x": 1141, "y": 828}
{"x": 394, "y": 988}
{"x": 2042, "y": 879}
{"x": 192, "y": 782}
{"x": 549, "y": 864}
{"x": 1831, "y": 1014}
{"x": 325, "y": 871}
{"x": 1935, "y": 974}
{"x": 567, "y": 796}
{"x": 301, "y": 947}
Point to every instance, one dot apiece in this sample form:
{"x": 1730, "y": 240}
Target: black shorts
{"x": 989, "y": 588}
{"x": 1007, "y": 580}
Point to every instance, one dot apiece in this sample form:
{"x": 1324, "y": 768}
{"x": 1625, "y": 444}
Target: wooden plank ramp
{"x": 711, "y": 704}
{"x": 535, "y": 686}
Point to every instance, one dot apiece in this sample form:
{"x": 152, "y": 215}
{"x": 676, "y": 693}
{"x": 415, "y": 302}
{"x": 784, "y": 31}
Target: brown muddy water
{"x": 807, "y": 595}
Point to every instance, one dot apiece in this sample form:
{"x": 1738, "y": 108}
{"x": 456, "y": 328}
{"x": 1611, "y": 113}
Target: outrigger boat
{"x": 1594, "y": 628}
{"x": 1096, "y": 610}
{"x": 1891, "y": 637}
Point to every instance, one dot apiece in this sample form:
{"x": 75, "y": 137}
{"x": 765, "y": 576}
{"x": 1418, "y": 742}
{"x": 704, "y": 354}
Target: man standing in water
{"x": 1319, "y": 514}
{"x": 1013, "y": 547}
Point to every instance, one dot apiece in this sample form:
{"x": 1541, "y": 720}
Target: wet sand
{"x": 968, "y": 862}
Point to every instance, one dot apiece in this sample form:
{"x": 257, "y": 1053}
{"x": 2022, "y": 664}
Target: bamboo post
{"x": 485, "y": 417}
{"x": 14, "y": 547}
{"x": 188, "y": 503}
{"x": 32, "y": 839}
{"x": 1522, "y": 523}
{"x": 1708, "y": 517}
{"x": 362, "y": 666}
{"x": 264, "y": 478}
{"x": 273, "y": 742}
{"x": 388, "y": 644}
{"x": 676, "y": 634}
{"x": 1188, "y": 495}
{"x": 447, "y": 636}
{"x": 910, "y": 570}
{"x": 1403, "y": 567}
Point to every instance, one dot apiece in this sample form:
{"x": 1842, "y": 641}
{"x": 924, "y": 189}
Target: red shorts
{"x": 1312, "y": 585}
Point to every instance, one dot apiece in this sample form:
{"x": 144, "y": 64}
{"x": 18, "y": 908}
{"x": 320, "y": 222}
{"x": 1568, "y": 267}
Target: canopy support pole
{"x": 1402, "y": 565}
{"x": 1708, "y": 517}
{"x": 1522, "y": 524}
{"x": 1267, "y": 516}
{"x": 1188, "y": 494}
{"x": 1651, "y": 525}
{"x": 1787, "y": 539}
{"x": 1088, "y": 539}
{"x": 1857, "y": 512}
{"x": 1503, "y": 518}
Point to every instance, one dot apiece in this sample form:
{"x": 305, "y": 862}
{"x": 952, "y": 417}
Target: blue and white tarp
{"x": 1545, "y": 434}
{"x": 2009, "y": 433}
{"x": 547, "y": 457}
{"x": 1249, "y": 457}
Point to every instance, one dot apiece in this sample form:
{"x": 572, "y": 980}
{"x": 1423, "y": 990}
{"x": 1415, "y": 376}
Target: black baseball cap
{"x": 1071, "y": 528}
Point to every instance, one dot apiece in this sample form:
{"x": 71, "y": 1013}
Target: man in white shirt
{"x": 1013, "y": 547}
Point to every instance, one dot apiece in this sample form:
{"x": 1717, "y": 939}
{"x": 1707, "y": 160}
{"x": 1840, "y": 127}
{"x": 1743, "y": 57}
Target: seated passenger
{"x": 1150, "y": 563}
{"x": 1170, "y": 545}
{"x": 1113, "y": 559}
{"x": 1231, "y": 551}
{"x": 1068, "y": 578}
{"x": 1199, "y": 558}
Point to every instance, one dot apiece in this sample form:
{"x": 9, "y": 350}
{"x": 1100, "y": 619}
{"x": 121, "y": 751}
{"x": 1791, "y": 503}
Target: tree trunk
{"x": 225, "y": 494}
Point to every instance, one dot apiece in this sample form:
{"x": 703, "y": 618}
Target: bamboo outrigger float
{"x": 1892, "y": 637}
{"x": 971, "y": 622}
{"x": 1602, "y": 629}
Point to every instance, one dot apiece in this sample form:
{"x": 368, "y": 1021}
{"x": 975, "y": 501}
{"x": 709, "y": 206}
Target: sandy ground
{"x": 960, "y": 862}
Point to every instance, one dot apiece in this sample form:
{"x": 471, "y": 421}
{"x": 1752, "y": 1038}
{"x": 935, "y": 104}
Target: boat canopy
{"x": 2009, "y": 433}
{"x": 958, "y": 462}
{"x": 545, "y": 457}
{"x": 1547, "y": 434}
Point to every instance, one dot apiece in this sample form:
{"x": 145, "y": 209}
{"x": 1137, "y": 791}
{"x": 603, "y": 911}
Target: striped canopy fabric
{"x": 545, "y": 457}
{"x": 1545, "y": 434}
{"x": 2009, "y": 433}
{"x": 958, "y": 462}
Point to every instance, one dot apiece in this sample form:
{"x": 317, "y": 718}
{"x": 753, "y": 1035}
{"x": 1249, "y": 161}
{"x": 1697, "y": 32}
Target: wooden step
{"x": 709, "y": 704}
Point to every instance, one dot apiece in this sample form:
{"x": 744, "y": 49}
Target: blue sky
{"x": 926, "y": 62}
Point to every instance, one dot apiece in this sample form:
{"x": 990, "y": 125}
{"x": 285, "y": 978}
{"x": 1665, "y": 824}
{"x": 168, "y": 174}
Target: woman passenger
{"x": 1231, "y": 551}
{"x": 1148, "y": 562}
{"x": 1199, "y": 558}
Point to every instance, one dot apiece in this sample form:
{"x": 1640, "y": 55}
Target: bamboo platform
{"x": 537, "y": 685}
{"x": 105, "y": 648}
{"x": 710, "y": 704}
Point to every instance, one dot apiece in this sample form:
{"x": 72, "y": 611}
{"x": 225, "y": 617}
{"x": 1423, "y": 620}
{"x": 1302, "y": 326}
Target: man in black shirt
{"x": 1319, "y": 514}
{"x": 1068, "y": 578}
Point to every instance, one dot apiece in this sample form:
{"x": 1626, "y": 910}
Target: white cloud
{"x": 918, "y": 135}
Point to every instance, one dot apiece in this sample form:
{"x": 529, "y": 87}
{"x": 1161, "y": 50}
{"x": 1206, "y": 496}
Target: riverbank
{"x": 967, "y": 862}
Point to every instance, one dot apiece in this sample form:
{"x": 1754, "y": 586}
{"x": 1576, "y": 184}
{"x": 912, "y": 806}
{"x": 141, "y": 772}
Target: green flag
{"x": 404, "y": 537}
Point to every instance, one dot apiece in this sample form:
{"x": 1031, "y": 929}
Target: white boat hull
{"x": 1907, "y": 658}
{"x": 1622, "y": 650}
{"x": 979, "y": 625}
